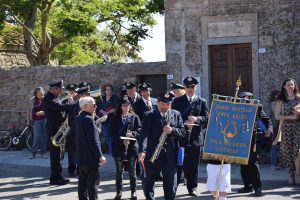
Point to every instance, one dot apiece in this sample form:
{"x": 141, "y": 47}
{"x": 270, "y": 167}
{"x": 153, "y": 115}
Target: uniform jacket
{"x": 266, "y": 121}
{"x": 54, "y": 109}
{"x": 200, "y": 110}
{"x": 141, "y": 107}
{"x": 118, "y": 129}
{"x": 133, "y": 101}
{"x": 87, "y": 142}
{"x": 152, "y": 126}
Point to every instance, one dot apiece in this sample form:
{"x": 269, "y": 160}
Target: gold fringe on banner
{"x": 228, "y": 159}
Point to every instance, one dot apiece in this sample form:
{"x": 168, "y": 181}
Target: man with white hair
{"x": 88, "y": 150}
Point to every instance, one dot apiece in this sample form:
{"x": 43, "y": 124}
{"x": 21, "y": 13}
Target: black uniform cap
{"x": 71, "y": 86}
{"x": 190, "y": 81}
{"x": 124, "y": 100}
{"x": 145, "y": 86}
{"x": 130, "y": 85}
{"x": 84, "y": 84}
{"x": 166, "y": 97}
{"x": 175, "y": 86}
{"x": 56, "y": 83}
{"x": 83, "y": 90}
{"x": 245, "y": 94}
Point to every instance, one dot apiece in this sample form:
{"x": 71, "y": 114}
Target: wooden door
{"x": 227, "y": 63}
{"x": 157, "y": 81}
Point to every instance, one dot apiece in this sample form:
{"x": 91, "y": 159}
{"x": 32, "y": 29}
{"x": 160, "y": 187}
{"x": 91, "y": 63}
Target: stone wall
{"x": 17, "y": 83}
{"x": 13, "y": 59}
{"x": 192, "y": 25}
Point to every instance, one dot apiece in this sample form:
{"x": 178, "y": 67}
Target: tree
{"x": 49, "y": 23}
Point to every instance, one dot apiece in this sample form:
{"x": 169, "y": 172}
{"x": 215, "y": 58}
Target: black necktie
{"x": 124, "y": 119}
{"x": 148, "y": 104}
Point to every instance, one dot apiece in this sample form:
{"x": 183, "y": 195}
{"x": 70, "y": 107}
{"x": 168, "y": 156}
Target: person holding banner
{"x": 125, "y": 151}
{"x": 194, "y": 113}
{"x": 162, "y": 129}
{"x": 250, "y": 172}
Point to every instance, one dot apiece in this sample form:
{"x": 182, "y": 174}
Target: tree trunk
{"x": 29, "y": 45}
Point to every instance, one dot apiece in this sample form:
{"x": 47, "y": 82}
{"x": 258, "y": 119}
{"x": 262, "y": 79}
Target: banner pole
{"x": 219, "y": 180}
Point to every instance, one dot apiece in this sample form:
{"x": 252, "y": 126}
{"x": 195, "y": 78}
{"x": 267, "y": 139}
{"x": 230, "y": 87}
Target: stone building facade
{"x": 200, "y": 32}
{"x": 17, "y": 83}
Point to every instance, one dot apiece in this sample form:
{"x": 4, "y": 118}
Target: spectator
{"x": 37, "y": 118}
{"x": 286, "y": 111}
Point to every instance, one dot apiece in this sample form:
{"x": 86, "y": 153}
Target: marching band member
{"x": 250, "y": 172}
{"x": 132, "y": 93}
{"x": 88, "y": 150}
{"x": 146, "y": 102}
{"x": 125, "y": 152}
{"x": 162, "y": 129}
{"x": 54, "y": 109}
{"x": 193, "y": 111}
{"x": 105, "y": 107}
{"x": 72, "y": 113}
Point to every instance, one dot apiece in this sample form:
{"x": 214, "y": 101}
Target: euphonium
{"x": 160, "y": 145}
{"x": 61, "y": 135}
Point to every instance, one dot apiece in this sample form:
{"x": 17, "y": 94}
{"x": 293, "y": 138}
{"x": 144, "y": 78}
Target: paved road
{"x": 21, "y": 178}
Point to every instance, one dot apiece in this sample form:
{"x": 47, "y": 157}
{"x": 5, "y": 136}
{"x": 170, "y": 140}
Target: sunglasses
{"x": 190, "y": 86}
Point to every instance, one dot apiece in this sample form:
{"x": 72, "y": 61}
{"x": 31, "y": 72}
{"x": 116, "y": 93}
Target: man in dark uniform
{"x": 54, "y": 109}
{"x": 133, "y": 95}
{"x": 194, "y": 113}
{"x": 145, "y": 103}
{"x": 250, "y": 173}
{"x": 88, "y": 150}
{"x": 71, "y": 88}
{"x": 157, "y": 123}
{"x": 73, "y": 112}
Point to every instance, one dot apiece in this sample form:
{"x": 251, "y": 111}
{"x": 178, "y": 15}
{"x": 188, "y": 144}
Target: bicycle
{"x": 13, "y": 136}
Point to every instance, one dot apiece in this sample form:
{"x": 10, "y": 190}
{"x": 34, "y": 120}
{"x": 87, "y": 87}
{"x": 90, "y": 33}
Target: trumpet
{"x": 61, "y": 135}
{"x": 159, "y": 147}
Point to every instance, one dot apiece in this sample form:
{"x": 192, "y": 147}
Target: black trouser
{"x": 250, "y": 173}
{"x": 190, "y": 167}
{"x": 131, "y": 163}
{"x": 88, "y": 182}
{"x": 169, "y": 179}
{"x": 55, "y": 162}
{"x": 71, "y": 155}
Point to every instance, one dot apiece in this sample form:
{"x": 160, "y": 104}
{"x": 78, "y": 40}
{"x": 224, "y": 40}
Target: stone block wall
{"x": 275, "y": 27}
{"x": 11, "y": 59}
{"x": 17, "y": 83}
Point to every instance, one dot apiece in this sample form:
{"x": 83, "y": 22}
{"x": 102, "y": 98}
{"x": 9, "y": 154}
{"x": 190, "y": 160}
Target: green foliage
{"x": 91, "y": 28}
{"x": 10, "y": 35}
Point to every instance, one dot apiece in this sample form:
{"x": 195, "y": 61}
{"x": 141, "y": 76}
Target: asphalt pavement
{"x": 23, "y": 178}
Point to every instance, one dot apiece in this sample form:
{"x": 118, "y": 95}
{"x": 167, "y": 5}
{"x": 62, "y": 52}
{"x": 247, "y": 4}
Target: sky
{"x": 154, "y": 48}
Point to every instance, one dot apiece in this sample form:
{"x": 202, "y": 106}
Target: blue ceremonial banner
{"x": 229, "y": 132}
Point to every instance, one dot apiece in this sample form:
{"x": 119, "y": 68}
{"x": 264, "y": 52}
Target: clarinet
{"x": 190, "y": 130}
{"x": 126, "y": 145}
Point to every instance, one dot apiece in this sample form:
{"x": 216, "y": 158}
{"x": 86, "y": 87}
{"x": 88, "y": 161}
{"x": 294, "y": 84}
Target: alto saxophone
{"x": 159, "y": 147}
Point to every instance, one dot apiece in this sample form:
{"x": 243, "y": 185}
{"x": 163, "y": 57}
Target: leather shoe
{"x": 245, "y": 189}
{"x": 193, "y": 193}
{"x": 118, "y": 196}
{"x": 59, "y": 182}
{"x": 133, "y": 196}
{"x": 257, "y": 191}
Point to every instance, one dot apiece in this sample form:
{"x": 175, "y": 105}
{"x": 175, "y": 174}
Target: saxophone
{"x": 159, "y": 147}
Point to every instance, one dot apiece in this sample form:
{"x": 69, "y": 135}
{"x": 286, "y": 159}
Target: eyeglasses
{"x": 190, "y": 86}
{"x": 94, "y": 104}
